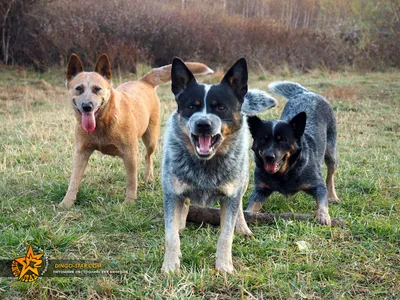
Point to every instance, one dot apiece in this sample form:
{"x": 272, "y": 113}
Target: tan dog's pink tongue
{"x": 205, "y": 143}
{"x": 88, "y": 122}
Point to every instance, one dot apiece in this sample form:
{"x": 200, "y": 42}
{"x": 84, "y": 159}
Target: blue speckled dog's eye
{"x": 79, "y": 89}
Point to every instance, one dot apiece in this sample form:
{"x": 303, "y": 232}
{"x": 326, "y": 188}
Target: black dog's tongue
{"x": 205, "y": 143}
{"x": 271, "y": 167}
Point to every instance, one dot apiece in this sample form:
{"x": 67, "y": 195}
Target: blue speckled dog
{"x": 206, "y": 155}
{"x": 289, "y": 152}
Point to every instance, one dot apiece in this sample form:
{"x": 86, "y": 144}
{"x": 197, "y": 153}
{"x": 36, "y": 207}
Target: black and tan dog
{"x": 112, "y": 120}
{"x": 206, "y": 155}
{"x": 289, "y": 152}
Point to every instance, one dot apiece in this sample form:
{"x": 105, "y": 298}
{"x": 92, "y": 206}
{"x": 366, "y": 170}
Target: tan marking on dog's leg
{"x": 185, "y": 211}
{"x": 79, "y": 163}
{"x": 224, "y": 245}
{"x": 172, "y": 242}
{"x": 150, "y": 140}
{"x": 330, "y": 185}
{"x": 241, "y": 225}
{"x": 256, "y": 207}
{"x": 178, "y": 186}
{"x": 131, "y": 166}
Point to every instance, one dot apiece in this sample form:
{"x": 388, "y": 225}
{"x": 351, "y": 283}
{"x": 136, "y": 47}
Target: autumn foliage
{"x": 302, "y": 35}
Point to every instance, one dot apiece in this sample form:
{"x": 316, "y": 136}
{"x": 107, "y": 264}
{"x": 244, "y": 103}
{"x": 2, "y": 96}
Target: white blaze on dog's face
{"x": 209, "y": 113}
{"x": 88, "y": 92}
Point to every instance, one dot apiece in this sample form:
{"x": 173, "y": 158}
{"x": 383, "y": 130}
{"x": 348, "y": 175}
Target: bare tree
{"x": 5, "y": 34}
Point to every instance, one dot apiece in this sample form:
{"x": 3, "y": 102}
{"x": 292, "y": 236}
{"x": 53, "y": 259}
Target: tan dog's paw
{"x": 243, "y": 230}
{"x": 129, "y": 201}
{"x": 148, "y": 178}
{"x": 323, "y": 216}
{"x": 66, "y": 203}
{"x": 334, "y": 199}
{"x": 224, "y": 266}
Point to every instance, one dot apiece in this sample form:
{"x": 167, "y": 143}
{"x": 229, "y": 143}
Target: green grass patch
{"x": 359, "y": 260}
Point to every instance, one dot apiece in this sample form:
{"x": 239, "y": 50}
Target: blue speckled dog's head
{"x": 210, "y": 113}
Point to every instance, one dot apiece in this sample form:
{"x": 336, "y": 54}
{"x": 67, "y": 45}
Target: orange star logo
{"x": 30, "y": 266}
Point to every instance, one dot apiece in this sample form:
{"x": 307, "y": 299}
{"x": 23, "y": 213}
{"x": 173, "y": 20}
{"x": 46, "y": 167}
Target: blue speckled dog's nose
{"x": 203, "y": 125}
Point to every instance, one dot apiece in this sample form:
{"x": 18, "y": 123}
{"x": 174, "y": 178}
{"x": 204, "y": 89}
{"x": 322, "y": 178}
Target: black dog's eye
{"x": 79, "y": 89}
{"x": 221, "y": 108}
{"x": 96, "y": 89}
{"x": 263, "y": 141}
{"x": 192, "y": 107}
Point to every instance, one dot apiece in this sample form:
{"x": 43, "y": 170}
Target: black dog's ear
{"x": 103, "y": 66}
{"x": 254, "y": 124}
{"x": 237, "y": 78}
{"x": 74, "y": 67}
{"x": 181, "y": 76}
{"x": 298, "y": 124}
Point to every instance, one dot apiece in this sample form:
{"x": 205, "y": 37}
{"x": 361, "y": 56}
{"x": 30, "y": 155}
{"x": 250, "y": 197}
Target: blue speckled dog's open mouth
{"x": 205, "y": 145}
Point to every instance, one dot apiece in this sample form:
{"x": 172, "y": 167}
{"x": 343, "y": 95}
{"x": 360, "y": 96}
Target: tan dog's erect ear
{"x": 74, "y": 66}
{"x": 103, "y": 66}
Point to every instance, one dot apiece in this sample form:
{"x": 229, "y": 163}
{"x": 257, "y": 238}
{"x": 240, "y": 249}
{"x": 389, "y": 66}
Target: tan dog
{"x": 112, "y": 120}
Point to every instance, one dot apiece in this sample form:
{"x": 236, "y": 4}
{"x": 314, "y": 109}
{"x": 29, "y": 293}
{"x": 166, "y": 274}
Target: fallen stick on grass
{"x": 211, "y": 216}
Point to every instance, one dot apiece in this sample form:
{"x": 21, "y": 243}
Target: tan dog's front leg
{"x": 131, "y": 166}
{"x": 79, "y": 163}
{"x": 229, "y": 212}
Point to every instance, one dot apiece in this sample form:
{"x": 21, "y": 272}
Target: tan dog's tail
{"x": 163, "y": 74}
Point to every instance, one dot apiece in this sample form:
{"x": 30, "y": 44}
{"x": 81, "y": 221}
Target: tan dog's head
{"x": 88, "y": 92}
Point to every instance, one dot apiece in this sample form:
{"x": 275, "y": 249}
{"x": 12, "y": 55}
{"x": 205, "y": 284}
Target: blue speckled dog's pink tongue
{"x": 205, "y": 143}
{"x": 88, "y": 122}
{"x": 271, "y": 167}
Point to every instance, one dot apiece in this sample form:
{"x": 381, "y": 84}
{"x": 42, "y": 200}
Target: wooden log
{"x": 211, "y": 216}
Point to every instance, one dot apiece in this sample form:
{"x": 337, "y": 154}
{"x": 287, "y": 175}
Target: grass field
{"x": 359, "y": 260}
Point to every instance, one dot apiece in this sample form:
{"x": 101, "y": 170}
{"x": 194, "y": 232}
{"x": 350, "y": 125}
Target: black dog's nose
{"x": 87, "y": 107}
{"x": 203, "y": 124}
{"x": 269, "y": 157}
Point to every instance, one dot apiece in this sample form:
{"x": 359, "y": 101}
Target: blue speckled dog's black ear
{"x": 181, "y": 76}
{"x": 254, "y": 124}
{"x": 237, "y": 78}
{"x": 298, "y": 124}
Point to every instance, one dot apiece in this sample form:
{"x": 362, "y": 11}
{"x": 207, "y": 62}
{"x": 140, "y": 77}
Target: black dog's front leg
{"x": 257, "y": 198}
{"x": 320, "y": 195}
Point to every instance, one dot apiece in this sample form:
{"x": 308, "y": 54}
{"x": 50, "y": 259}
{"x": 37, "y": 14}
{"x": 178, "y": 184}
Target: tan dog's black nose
{"x": 87, "y": 107}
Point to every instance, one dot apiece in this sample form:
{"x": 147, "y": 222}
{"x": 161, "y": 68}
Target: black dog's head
{"x": 275, "y": 143}
{"x": 209, "y": 114}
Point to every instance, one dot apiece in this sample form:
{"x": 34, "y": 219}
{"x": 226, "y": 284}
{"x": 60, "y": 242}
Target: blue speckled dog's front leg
{"x": 173, "y": 205}
{"x": 229, "y": 211}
